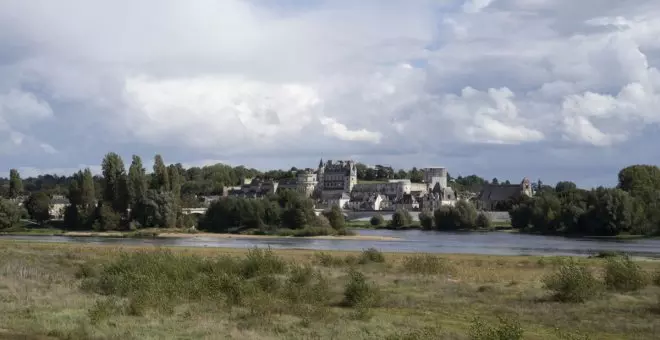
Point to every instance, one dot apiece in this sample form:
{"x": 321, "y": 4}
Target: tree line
{"x": 211, "y": 179}
{"x": 632, "y": 207}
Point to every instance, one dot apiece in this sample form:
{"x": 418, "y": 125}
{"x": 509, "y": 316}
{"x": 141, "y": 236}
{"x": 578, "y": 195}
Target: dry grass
{"x": 41, "y": 298}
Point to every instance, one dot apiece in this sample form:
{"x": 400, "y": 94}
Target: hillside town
{"x": 336, "y": 183}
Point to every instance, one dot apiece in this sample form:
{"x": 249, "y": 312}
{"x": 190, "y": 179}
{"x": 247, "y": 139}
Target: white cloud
{"x": 227, "y": 79}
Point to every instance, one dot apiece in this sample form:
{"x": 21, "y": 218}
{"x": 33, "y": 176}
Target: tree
{"x": 38, "y": 207}
{"x": 495, "y": 181}
{"x": 15, "y": 184}
{"x": 377, "y": 220}
{"x": 482, "y": 221}
{"x": 115, "y": 190}
{"x": 336, "y": 217}
{"x": 426, "y": 220}
{"x": 462, "y": 215}
{"x": 106, "y": 218}
{"x": 401, "y": 218}
{"x": 137, "y": 181}
{"x": 10, "y": 214}
{"x": 157, "y": 209}
{"x": 175, "y": 180}
{"x": 565, "y": 186}
{"x": 88, "y": 189}
{"x": 161, "y": 178}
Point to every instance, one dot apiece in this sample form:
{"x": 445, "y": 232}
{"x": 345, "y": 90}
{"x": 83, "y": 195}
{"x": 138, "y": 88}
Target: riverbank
{"x": 154, "y": 233}
{"x": 52, "y": 291}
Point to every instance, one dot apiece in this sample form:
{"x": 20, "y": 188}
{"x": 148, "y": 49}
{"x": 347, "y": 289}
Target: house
{"x": 58, "y": 205}
{"x": 499, "y": 197}
{"x": 407, "y": 202}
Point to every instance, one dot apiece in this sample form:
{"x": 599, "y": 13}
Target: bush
{"x": 426, "y": 220}
{"x": 401, "y": 218}
{"x": 426, "y": 264}
{"x": 656, "y": 278}
{"x": 360, "y": 293}
{"x": 328, "y": 260}
{"x": 371, "y": 255}
{"x": 624, "y": 275}
{"x": 336, "y": 217}
{"x": 572, "y": 283}
{"x": 505, "y": 330}
{"x": 377, "y": 220}
{"x": 483, "y": 221}
{"x": 461, "y": 216}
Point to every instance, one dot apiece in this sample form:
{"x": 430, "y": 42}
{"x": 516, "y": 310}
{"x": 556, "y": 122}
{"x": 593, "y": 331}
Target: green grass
{"x": 51, "y": 291}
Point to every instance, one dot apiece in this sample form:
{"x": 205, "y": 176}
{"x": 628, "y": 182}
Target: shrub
{"x": 572, "y": 283}
{"x": 656, "y": 278}
{"x": 483, "y": 221}
{"x": 624, "y": 275}
{"x": 461, "y": 216}
{"x": 305, "y": 285}
{"x": 371, "y": 255}
{"x": 506, "y": 330}
{"x": 400, "y": 218}
{"x": 323, "y": 222}
{"x": 336, "y": 217}
{"x": 360, "y": 293}
{"x": 328, "y": 260}
{"x": 262, "y": 262}
{"x": 426, "y": 264}
{"x": 377, "y": 220}
{"x": 426, "y": 220}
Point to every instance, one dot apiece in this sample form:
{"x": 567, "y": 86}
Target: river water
{"x": 493, "y": 243}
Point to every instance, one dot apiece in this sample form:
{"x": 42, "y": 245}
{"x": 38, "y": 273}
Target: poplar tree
{"x": 15, "y": 184}
{"x": 137, "y": 181}
{"x": 161, "y": 178}
{"x": 115, "y": 191}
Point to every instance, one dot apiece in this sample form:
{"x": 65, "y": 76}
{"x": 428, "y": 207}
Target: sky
{"x": 544, "y": 89}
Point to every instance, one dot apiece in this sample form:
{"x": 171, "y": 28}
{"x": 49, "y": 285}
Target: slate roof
{"x": 501, "y": 192}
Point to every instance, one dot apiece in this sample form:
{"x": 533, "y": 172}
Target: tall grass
{"x": 426, "y": 264}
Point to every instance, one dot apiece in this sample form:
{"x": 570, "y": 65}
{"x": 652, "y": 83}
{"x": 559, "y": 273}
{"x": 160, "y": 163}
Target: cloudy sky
{"x": 550, "y": 89}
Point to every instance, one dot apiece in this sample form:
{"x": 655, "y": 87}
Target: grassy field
{"x": 62, "y": 291}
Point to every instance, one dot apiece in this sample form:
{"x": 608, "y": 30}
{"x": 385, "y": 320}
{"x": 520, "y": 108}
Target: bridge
{"x": 193, "y": 211}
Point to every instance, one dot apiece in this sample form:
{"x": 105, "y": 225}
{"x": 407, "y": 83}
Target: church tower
{"x": 320, "y": 175}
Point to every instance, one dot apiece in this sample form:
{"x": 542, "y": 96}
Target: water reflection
{"x": 410, "y": 241}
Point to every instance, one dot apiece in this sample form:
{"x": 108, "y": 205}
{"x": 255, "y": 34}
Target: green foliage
{"x": 624, "y": 275}
{"x": 427, "y": 264}
{"x": 507, "y": 329}
{"x": 115, "y": 188}
{"x": 400, "y": 218}
{"x": 336, "y": 217}
{"x": 573, "y": 283}
{"x": 15, "y": 184}
{"x": 371, "y": 255}
{"x": 287, "y": 209}
{"x": 157, "y": 209}
{"x": 161, "y": 178}
{"x": 426, "y": 220}
{"x": 106, "y": 219}
{"x": 656, "y": 278}
{"x": 601, "y": 211}
{"x": 38, "y": 207}
{"x": 360, "y": 293}
{"x": 377, "y": 220}
{"x": 483, "y": 221}
{"x": 10, "y": 214}
{"x": 461, "y": 216}
{"x": 137, "y": 181}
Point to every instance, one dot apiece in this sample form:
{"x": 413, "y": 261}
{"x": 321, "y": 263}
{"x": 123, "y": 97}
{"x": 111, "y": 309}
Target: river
{"x": 493, "y": 243}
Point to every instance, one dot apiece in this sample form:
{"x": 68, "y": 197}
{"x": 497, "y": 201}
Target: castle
{"x": 336, "y": 183}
